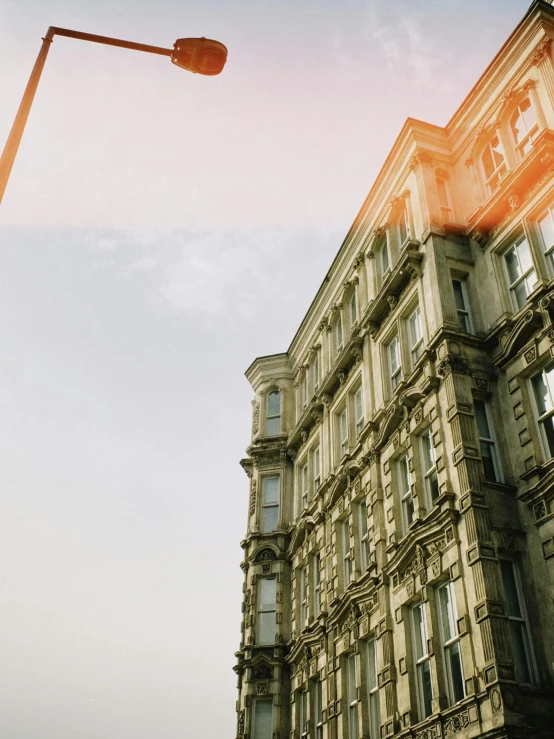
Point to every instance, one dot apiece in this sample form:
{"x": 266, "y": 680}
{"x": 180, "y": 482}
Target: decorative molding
{"x": 453, "y": 363}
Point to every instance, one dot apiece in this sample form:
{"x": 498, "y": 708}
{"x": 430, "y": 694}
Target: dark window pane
{"x": 487, "y": 452}
{"x": 425, "y": 674}
{"x": 456, "y": 672}
{"x": 510, "y": 588}
{"x": 521, "y": 647}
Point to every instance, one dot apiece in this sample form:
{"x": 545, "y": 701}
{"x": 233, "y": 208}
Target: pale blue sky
{"x": 160, "y": 230}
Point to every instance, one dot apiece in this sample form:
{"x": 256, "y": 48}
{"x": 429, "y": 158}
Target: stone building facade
{"x": 399, "y": 555}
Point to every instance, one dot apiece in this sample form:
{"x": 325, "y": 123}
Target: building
{"x": 399, "y": 554}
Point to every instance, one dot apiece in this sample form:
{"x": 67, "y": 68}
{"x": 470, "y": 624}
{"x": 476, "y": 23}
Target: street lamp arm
{"x": 110, "y": 41}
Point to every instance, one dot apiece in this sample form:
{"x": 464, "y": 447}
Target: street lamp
{"x": 198, "y": 55}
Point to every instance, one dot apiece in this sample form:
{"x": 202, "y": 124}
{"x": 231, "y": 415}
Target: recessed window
{"x": 415, "y": 334}
{"x": 316, "y": 566}
{"x": 316, "y": 468}
{"x": 524, "y": 127}
{"x": 315, "y": 370}
{"x": 304, "y": 389}
{"x": 303, "y": 485}
{"x": 263, "y": 718}
{"x": 273, "y": 419}
{"x": 364, "y": 536}
{"x": 546, "y": 226}
{"x": 303, "y": 596}
{"x": 342, "y": 427}
{"x": 450, "y": 636}
{"x": 462, "y": 304}
{"x": 395, "y": 368}
{"x": 517, "y": 618}
{"x": 405, "y": 490}
{"x": 352, "y": 697}
{"x": 373, "y": 689}
{"x": 422, "y": 661}
{"x": 494, "y": 164}
{"x": 383, "y": 254}
{"x": 339, "y": 334}
{"x": 429, "y": 468}
{"x": 267, "y": 610}
{"x": 359, "y": 410}
{"x": 303, "y": 724}
{"x": 345, "y": 547}
{"x": 270, "y": 504}
{"x": 353, "y": 308}
{"x": 444, "y": 201}
{"x": 543, "y": 390}
{"x": 403, "y": 225}
{"x": 318, "y": 710}
{"x": 521, "y": 272}
{"x": 489, "y": 456}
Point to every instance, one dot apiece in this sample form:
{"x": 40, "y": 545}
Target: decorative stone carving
{"x": 240, "y": 731}
{"x": 392, "y": 300}
{"x": 420, "y": 157}
{"x": 531, "y": 354}
{"x": 265, "y": 555}
{"x": 430, "y": 732}
{"x": 457, "y": 722}
{"x": 453, "y": 363}
{"x": 255, "y": 417}
{"x": 263, "y": 672}
{"x": 481, "y": 383}
{"x": 261, "y": 689}
{"x": 541, "y": 53}
{"x": 252, "y": 506}
{"x": 540, "y": 510}
{"x": 342, "y": 377}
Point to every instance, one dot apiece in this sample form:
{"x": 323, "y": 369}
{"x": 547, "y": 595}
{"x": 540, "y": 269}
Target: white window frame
{"x": 264, "y": 608}
{"x": 317, "y": 583}
{"x": 374, "y": 708}
{"x": 303, "y": 486}
{"x": 304, "y": 390}
{"x": 363, "y": 527}
{"x": 547, "y": 374}
{"x": 269, "y": 418}
{"x": 489, "y": 441}
{"x": 429, "y": 467}
{"x": 358, "y": 401}
{"x": 339, "y": 332}
{"x": 521, "y": 621}
{"x": 352, "y": 696}
{"x": 316, "y": 468}
{"x": 383, "y": 255}
{"x": 463, "y": 313}
{"x": 303, "y": 721}
{"x": 346, "y": 552}
{"x": 315, "y": 371}
{"x": 342, "y": 432}
{"x": 530, "y": 134}
{"x": 303, "y": 596}
{"x": 415, "y": 327}
{"x": 268, "y": 505}
{"x": 493, "y": 180}
{"x": 422, "y": 661}
{"x": 394, "y": 370}
{"x": 318, "y": 709}
{"x": 450, "y": 640}
{"x": 404, "y": 482}
{"x": 353, "y": 309}
{"x": 524, "y": 278}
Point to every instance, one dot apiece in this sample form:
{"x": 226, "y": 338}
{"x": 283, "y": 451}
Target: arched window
{"x": 524, "y": 126}
{"x": 273, "y": 418}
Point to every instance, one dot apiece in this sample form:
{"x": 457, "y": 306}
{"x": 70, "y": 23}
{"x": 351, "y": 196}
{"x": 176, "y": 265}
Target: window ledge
{"x": 507, "y": 197}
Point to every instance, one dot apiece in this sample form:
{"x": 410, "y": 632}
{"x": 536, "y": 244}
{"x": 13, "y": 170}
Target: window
{"x": 315, "y": 371}
{"x": 462, "y": 304}
{"x": 345, "y": 547}
{"x": 422, "y": 661}
{"x": 494, "y": 165}
{"x": 395, "y": 368}
{"x": 373, "y": 689}
{"x": 517, "y": 617}
{"x": 450, "y": 637}
{"x": 343, "y": 432}
{"x": 273, "y": 419}
{"x": 429, "y": 468}
{"x": 543, "y": 390}
{"x": 303, "y": 725}
{"x": 364, "y": 536}
{"x": 403, "y": 225}
{"x": 444, "y": 201}
{"x": 359, "y": 410}
{"x": 303, "y": 481}
{"x": 415, "y": 335}
{"x": 267, "y": 610}
{"x": 304, "y": 389}
{"x": 303, "y": 596}
{"x": 318, "y": 710}
{"x": 352, "y": 696}
{"x": 316, "y": 462}
{"x": 316, "y": 566}
{"x": 382, "y": 249}
{"x": 353, "y": 309}
{"x": 521, "y": 272}
{"x": 524, "y": 127}
{"x": 339, "y": 337}
{"x": 405, "y": 489}
{"x": 491, "y": 467}
{"x": 546, "y": 226}
{"x": 270, "y": 504}
{"x": 263, "y": 719}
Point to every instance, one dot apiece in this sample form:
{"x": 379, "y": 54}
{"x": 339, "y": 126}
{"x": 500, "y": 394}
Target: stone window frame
{"x": 447, "y": 644}
{"x": 265, "y": 476}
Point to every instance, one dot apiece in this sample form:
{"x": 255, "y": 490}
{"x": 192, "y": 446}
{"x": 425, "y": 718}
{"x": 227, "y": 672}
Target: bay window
{"x": 517, "y": 618}
{"x": 429, "y": 465}
{"x": 267, "y": 610}
{"x": 494, "y": 164}
{"x": 520, "y": 271}
{"x": 395, "y": 366}
{"x": 273, "y": 417}
{"x": 363, "y": 531}
{"x": 263, "y": 718}
{"x": 524, "y": 127}
{"x": 359, "y": 410}
{"x": 422, "y": 660}
{"x": 373, "y": 689}
{"x": 462, "y": 304}
{"x": 352, "y": 697}
{"x": 404, "y": 480}
{"x": 489, "y": 456}
{"x": 342, "y": 428}
{"x": 543, "y": 391}
{"x": 450, "y": 637}
{"x": 270, "y": 504}
{"x": 415, "y": 334}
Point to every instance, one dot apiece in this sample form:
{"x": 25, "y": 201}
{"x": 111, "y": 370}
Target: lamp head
{"x": 199, "y": 55}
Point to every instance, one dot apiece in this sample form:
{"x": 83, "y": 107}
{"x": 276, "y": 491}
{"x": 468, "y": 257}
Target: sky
{"x": 159, "y": 231}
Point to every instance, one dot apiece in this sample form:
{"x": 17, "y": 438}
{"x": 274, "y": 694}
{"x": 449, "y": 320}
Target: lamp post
{"x": 198, "y": 55}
